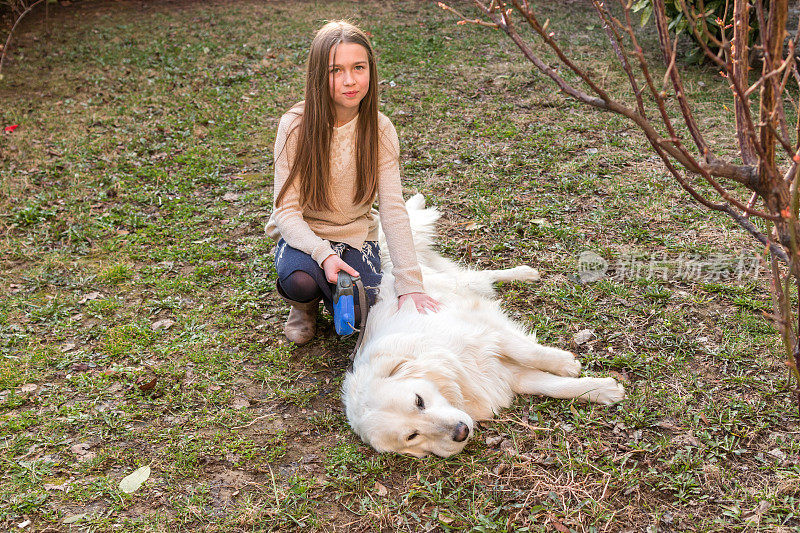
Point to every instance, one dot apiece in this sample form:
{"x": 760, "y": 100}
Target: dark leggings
{"x": 300, "y": 287}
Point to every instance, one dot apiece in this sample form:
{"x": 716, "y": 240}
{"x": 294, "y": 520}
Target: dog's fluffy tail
{"x": 423, "y": 229}
{"x": 423, "y": 221}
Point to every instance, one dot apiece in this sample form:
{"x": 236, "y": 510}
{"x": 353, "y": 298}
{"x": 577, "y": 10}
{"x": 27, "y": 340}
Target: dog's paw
{"x": 609, "y": 393}
{"x": 570, "y": 368}
{"x": 526, "y": 273}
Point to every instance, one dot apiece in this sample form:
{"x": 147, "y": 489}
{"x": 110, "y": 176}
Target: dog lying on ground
{"x": 419, "y": 381}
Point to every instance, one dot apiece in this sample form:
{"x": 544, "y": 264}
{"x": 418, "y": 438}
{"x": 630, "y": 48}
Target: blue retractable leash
{"x": 344, "y": 308}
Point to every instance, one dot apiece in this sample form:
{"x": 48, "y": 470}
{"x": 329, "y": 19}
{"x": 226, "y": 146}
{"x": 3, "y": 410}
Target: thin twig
{"x": 4, "y": 52}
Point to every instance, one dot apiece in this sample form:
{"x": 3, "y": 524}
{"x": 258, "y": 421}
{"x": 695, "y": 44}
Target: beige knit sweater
{"x": 312, "y": 231}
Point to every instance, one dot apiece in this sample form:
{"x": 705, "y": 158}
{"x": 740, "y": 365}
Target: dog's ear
{"x": 398, "y": 368}
{"x": 386, "y": 365}
{"x": 434, "y": 370}
{"x": 386, "y": 357}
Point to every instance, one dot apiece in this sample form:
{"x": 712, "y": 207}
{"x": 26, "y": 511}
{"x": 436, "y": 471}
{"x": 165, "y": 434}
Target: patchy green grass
{"x": 139, "y": 323}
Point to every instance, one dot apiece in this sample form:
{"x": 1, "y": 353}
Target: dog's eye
{"x": 420, "y": 403}
{"x": 413, "y": 436}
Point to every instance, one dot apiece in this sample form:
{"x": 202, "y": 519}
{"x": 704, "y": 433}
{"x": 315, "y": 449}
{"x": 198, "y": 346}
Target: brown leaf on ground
{"x": 687, "y": 439}
{"x": 91, "y": 296}
{"x": 147, "y": 385}
{"x": 495, "y": 441}
{"x": 81, "y": 450}
{"x": 500, "y": 469}
{"x": 380, "y": 490}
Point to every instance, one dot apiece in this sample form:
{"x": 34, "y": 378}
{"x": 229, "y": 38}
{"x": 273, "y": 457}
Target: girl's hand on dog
{"x": 422, "y": 301}
{"x": 333, "y": 264}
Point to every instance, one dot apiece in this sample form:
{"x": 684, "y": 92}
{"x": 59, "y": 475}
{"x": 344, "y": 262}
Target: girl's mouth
{"x": 351, "y": 93}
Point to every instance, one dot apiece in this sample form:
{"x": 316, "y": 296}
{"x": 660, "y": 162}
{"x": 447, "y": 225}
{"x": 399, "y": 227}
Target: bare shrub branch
{"x": 19, "y": 8}
{"x": 770, "y": 175}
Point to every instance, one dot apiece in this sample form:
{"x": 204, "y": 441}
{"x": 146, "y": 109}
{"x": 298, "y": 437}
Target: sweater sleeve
{"x": 394, "y": 217}
{"x": 289, "y": 216}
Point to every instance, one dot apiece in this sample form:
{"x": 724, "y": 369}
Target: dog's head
{"x": 407, "y": 405}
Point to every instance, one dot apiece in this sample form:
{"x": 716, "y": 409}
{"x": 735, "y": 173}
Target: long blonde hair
{"x": 311, "y": 165}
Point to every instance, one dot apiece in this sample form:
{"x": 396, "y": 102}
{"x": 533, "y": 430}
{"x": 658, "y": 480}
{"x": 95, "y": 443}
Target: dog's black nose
{"x": 461, "y": 432}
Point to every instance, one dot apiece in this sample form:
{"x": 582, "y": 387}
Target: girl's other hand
{"x": 333, "y": 264}
{"x": 422, "y": 301}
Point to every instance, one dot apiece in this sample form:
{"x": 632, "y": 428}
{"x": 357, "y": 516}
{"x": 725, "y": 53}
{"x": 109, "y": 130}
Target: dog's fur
{"x": 419, "y": 381}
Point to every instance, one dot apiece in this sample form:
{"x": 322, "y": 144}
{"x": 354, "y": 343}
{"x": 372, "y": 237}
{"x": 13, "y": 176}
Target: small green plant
{"x": 127, "y": 339}
{"x": 347, "y": 466}
{"x": 30, "y": 215}
{"x": 116, "y": 274}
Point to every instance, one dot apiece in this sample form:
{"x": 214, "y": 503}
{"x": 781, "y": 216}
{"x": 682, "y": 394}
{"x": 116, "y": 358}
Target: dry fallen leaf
{"x": 500, "y": 469}
{"x": 380, "y": 490}
{"x": 164, "y": 323}
{"x": 494, "y": 441}
{"x": 687, "y": 439}
{"x": 240, "y": 403}
{"x": 148, "y": 385}
{"x": 583, "y": 336}
{"x": 79, "y": 367}
{"x": 777, "y": 454}
{"x": 90, "y": 296}
{"x": 134, "y": 480}
{"x": 669, "y": 424}
{"x": 754, "y": 516}
{"x": 81, "y": 450}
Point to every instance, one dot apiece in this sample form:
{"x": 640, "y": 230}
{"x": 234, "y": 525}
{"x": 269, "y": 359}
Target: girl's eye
{"x": 413, "y": 436}
{"x": 420, "y": 403}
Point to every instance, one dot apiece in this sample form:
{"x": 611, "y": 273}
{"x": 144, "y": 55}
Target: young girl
{"x": 334, "y": 153}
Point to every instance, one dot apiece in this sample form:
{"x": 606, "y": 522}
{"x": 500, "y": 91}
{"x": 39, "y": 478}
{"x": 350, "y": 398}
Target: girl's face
{"x": 348, "y": 79}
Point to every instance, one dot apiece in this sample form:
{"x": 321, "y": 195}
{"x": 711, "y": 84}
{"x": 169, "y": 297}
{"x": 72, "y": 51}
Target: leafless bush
{"x": 18, "y": 9}
{"x": 769, "y": 151}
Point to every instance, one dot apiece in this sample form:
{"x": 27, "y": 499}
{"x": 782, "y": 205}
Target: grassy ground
{"x": 139, "y": 323}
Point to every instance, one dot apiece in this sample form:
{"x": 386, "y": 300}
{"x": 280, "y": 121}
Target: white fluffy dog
{"x": 419, "y": 381}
